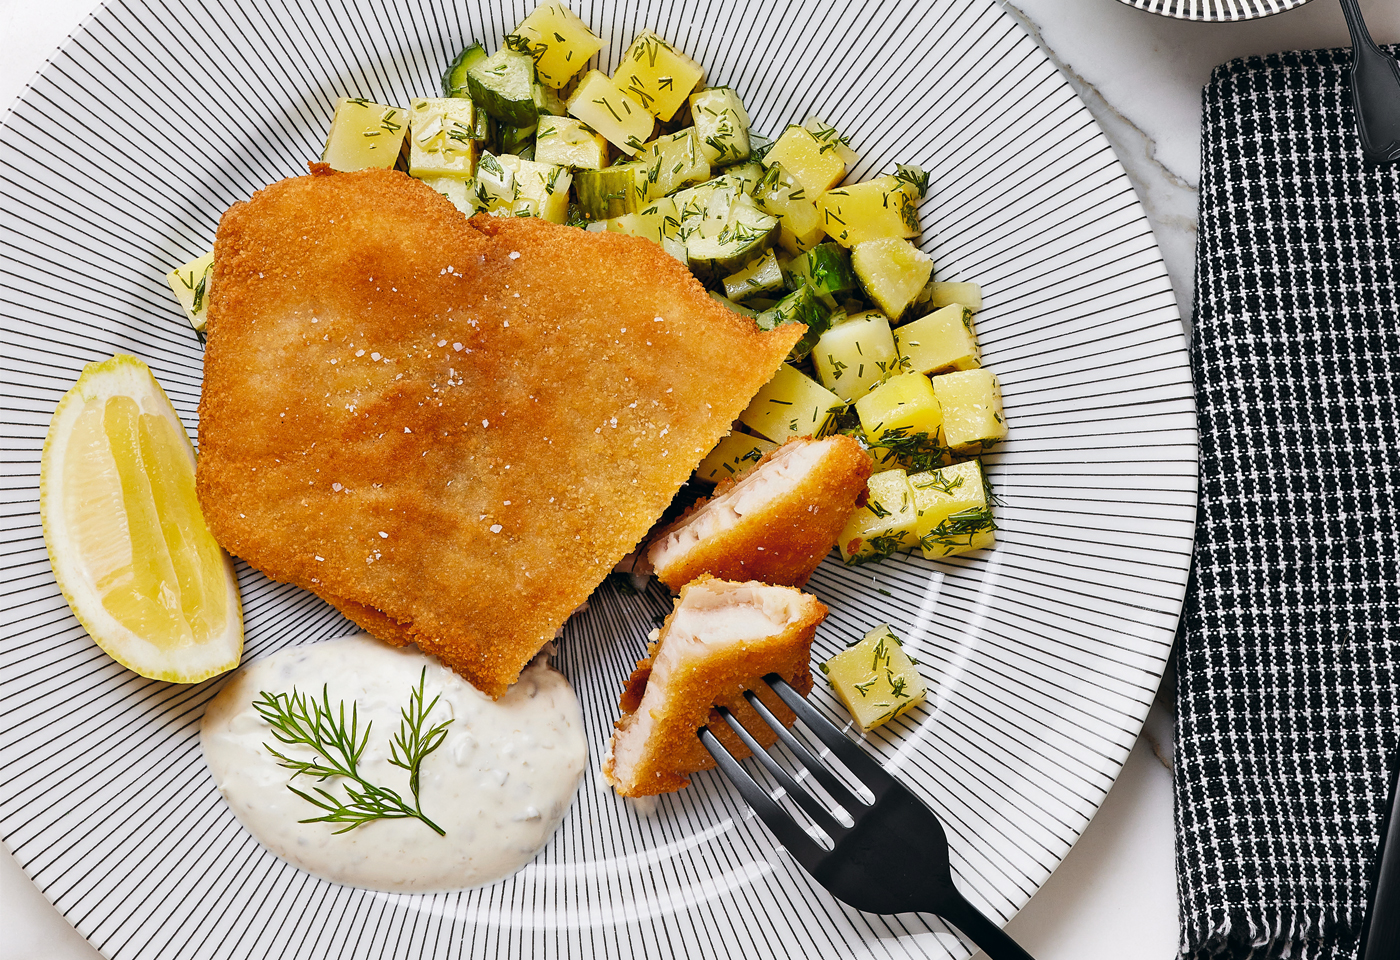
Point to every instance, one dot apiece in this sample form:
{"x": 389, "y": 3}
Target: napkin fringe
{"x": 1273, "y": 939}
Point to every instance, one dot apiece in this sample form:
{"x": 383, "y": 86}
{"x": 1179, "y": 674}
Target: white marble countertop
{"x": 1141, "y": 75}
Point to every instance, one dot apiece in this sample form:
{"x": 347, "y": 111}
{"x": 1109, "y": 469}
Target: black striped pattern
{"x": 1042, "y": 656}
{"x": 1215, "y": 9}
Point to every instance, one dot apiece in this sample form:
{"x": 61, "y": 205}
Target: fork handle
{"x": 995, "y": 942}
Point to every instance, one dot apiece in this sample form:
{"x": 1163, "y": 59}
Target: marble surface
{"x": 1141, "y": 75}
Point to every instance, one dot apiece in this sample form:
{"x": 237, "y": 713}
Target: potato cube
{"x": 560, "y": 43}
{"x": 780, "y": 194}
{"x": 892, "y": 271}
{"x": 943, "y": 340}
{"x": 826, "y": 134}
{"x": 569, "y": 142}
{"x": 722, "y": 124}
{"x": 903, "y": 406}
{"x": 658, "y": 75}
{"x": 880, "y": 208}
{"x": 954, "y": 515}
{"x": 875, "y": 679}
{"x": 623, "y": 121}
{"x": 854, "y": 356}
{"x": 943, "y": 293}
{"x": 541, "y": 189}
{"x": 462, "y": 193}
{"x": 495, "y": 180}
{"x": 791, "y": 405}
{"x": 190, "y": 284}
{"x": 733, "y": 455}
{"x": 973, "y": 419}
{"x": 365, "y": 134}
{"x": 815, "y": 165}
{"x": 440, "y": 140}
{"x": 886, "y": 524}
{"x": 674, "y": 161}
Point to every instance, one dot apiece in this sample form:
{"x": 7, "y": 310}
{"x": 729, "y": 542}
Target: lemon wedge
{"x": 125, "y": 534}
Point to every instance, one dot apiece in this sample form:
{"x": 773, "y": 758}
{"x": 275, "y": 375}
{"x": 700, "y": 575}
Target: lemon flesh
{"x": 128, "y": 542}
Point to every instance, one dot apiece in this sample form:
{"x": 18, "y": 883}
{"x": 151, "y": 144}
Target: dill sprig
{"x": 915, "y": 449}
{"x": 298, "y": 720}
{"x": 959, "y": 529}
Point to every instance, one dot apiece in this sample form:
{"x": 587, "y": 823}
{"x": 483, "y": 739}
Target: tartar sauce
{"x": 498, "y": 785}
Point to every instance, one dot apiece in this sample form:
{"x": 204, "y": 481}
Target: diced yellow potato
{"x": 903, "y": 422}
{"x": 886, "y": 524}
{"x": 792, "y": 404}
{"x": 780, "y": 194}
{"x": 190, "y": 284}
{"x": 943, "y": 340}
{"x": 875, "y": 679}
{"x": 365, "y": 134}
{"x": 815, "y": 165}
{"x": 569, "y": 142}
{"x": 954, "y": 515}
{"x": 674, "y": 161}
{"x": 973, "y": 420}
{"x": 892, "y": 272}
{"x": 623, "y": 121}
{"x": 732, "y": 456}
{"x": 854, "y": 356}
{"x": 440, "y": 140}
{"x": 665, "y": 208}
{"x": 829, "y": 136}
{"x": 462, "y": 193}
{"x": 943, "y": 294}
{"x": 496, "y": 183}
{"x": 722, "y": 124}
{"x": 559, "y": 41}
{"x": 541, "y": 189}
{"x": 657, "y": 75}
{"x": 874, "y": 209}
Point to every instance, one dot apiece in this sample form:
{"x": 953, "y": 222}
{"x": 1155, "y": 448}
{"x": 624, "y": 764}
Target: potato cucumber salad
{"x": 769, "y": 226}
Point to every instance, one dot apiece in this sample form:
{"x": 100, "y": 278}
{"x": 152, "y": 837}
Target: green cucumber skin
{"x": 454, "y": 81}
{"x": 827, "y": 267}
{"x": 504, "y": 86}
{"x": 610, "y": 192}
{"x": 804, "y": 306}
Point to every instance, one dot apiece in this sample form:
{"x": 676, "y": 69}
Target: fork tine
{"x": 797, "y": 841}
{"x": 810, "y": 804}
{"x": 856, "y": 760}
{"x": 829, "y": 781}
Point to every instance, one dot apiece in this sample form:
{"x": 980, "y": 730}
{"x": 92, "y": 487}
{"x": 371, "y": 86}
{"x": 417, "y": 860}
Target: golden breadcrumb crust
{"x": 453, "y": 430}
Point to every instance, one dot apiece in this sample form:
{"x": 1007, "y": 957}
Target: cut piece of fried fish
{"x": 453, "y": 430}
{"x": 721, "y": 639}
{"x": 774, "y": 523}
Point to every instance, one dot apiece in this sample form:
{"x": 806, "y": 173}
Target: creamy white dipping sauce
{"x": 498, "y": 785}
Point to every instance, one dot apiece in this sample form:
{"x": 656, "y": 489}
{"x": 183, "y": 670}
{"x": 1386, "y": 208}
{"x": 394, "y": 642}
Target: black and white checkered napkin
{"x": 1289, "y": 659}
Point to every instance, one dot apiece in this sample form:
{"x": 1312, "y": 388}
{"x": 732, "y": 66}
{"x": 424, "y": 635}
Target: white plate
{"x": 1042, "y": 655}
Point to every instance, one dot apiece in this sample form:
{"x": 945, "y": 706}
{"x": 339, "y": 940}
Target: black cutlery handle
{"x": 1375, "y": 91}
{"x": 1380, "y": 936}
{"x": 995, "y": 942}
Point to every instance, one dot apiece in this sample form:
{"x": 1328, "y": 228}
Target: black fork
{"x": 892, "y": 858}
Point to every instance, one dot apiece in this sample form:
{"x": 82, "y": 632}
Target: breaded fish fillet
{"x": 721, "y": 639}
{"x": 452, "y": 430}
{"x": 774, "y": 523}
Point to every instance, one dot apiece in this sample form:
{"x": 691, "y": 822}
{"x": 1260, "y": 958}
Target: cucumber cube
{"x": 954, "y": 515}
{"x": 658, "y": 75}
{"x": 454, "y": 81}
{"x": 708, "y": 204}
{"x": 883, "y": 207}
{"x": 722, "y": 124}
{"x": 735, "y": 454}
{"x": 886, "y": 524}
{"x": 829, "y": 137}
{"x": 462, "y": 193}
{"x": 495, "y": 181}
{"x": 715, "y": 250}
{"x": 560, "y": 43}
{"x": 440, "y": 138}
{"x": 791, "y": 405}
{"x": 943, "y": 340}
{"x": 674, "y": 161}
{"x": 569, "y": 142}
{"x": 504, "y": 86}
{"x": 801, "y": 306}
{"x": 611, "y": 191}
{"x": 875, "y": 679}
{"x": 190, "y": 284}
{"x": 853, "y": 357}
{"x": 763, "y": 276}
{"x": 781, "y": 195}
{"x": 827, "y": 268}
{"x": 970, "y": 400}
{"x": 815, "y": 165}
{"x": 365, "y": 134}
{"x": 541, "y": 189}
{"x": 892, "y": 272}
{"x": 623, "y": 121}
{"x": 903, "y": 421}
